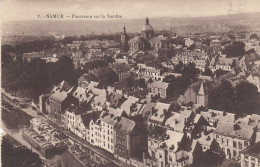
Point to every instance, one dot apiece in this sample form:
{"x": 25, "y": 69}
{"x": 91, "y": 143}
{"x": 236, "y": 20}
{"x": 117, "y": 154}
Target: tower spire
{"x": 147, "y": 21}
{"x": 124, "y": 29}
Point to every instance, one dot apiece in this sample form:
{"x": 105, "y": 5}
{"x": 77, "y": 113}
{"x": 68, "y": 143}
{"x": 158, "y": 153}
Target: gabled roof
{"x": 161, "y": 109}
{"x": 112, "y": 116}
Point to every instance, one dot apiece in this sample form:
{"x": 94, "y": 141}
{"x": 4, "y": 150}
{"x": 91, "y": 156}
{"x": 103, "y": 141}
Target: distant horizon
{"x": 140, "y": 18}
{"x": 21, "y": 10}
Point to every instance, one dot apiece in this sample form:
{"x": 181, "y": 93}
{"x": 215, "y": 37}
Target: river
{"x": 13, "y": 122}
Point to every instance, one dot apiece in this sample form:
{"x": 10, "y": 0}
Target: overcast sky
{"x": 29, "y": 9}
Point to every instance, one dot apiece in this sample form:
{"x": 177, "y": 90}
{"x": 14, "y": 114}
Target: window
{"x": 246, "y": 163}
{"x": 217, "y": 136}
{"x": 245, "y": 143}
{"x": 234, "y": 153}
{"x": 239, "y": 145}
{"x": 234, "y": 144}
{"x": 252, "y": 159}
{"x": 227, "y": 142}
{"x": 252, "y": 164}
{"x": 160, "y": 155}
{"x": 153, "y": 154}
{"x": 222, "y": 140}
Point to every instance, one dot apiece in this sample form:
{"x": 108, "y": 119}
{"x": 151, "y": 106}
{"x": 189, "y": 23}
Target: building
{"x": 138, "y": 44}
{"x": 128, "y": 139}
{"x": 105, "y": 134}
{"x": 159, "y": 88}
{"x": 124, "y": 41}
{"x": 170, "y": 148}
{"x": 250, "y": 157}
{"x": 224, "y": 64}
{"x": 197, "y": 93}
{"x": 147, "y": 30}
{"x": 159, "y": 114}
{"x": 59, "y": 101}
{"x": 149, "y": 70}
{"x": 215, "y": 44}
{"x": 188, "y": 42}
{"x": 233, "y": 138}
{"x": 42, "y": 103}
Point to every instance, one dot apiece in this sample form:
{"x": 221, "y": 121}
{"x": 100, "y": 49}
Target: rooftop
{"x": 125, "y": 125}
{"x": 252, "y": 150}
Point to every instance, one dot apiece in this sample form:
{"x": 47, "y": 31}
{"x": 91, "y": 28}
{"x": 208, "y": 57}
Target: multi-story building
{"x": 159, "y": 88}
{"x": 224, "y": 64}
{"x": 59, "y": 101}
{"x": 233, "y": 138}
{"x": 146, "y": 71}
{"x": 128, "y": 139}
{"x": 170, "y": 148}
{"x": 250, "y": 157}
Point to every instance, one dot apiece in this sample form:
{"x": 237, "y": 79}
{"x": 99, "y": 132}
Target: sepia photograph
{"x": 130, "y": 83}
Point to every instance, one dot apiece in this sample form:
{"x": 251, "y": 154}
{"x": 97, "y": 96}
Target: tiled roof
{"x": 206, "y": 140}
{"x": 126, "y": 106}
{"x": 159, "y": 115}
{"x": 125, "y": 125}
{"x": 59, "y": 96}
{"x": 234, "y": 130}
{"x": 112, "y": 116}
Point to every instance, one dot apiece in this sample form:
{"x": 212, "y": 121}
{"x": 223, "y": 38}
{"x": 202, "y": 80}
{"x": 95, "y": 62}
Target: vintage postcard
{"x": 130, "y": 83}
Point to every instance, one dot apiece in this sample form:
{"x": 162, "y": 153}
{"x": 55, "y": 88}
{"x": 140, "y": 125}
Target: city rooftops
{"x": 234, "y": 130}
{"x": 252, "y": 150}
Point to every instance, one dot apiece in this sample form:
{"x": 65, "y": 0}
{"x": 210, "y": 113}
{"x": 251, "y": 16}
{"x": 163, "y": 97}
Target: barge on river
{"x": 44, "y": 138}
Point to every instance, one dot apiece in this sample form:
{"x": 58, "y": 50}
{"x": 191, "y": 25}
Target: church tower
{"x": 124, "y": 41}
{"x": 147, "y": 30}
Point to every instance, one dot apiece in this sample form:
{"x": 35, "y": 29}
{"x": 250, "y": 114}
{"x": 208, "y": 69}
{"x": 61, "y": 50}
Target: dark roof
{"x": 252, "y": 57}
{"x": 125, "y": 125}
{"x": 91, "y": 115}
{"x": 253, "y": 150}
{"x": 158, "y": 133}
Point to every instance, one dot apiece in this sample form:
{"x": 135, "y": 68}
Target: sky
{"x": 13, "y": 10}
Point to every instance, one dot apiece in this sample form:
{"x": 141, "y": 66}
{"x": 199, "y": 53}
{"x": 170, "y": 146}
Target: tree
{"x": 179, "y": 67}
{"x": 169, "y": 79}
{"x": 18, "y": 156}
{"x": 207, "y": 72}
{"x": 247, "y": 98}
{"x": 222, "y": 97}
{"x": 236, "y": 49}
{"x": 64, "y": 70}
